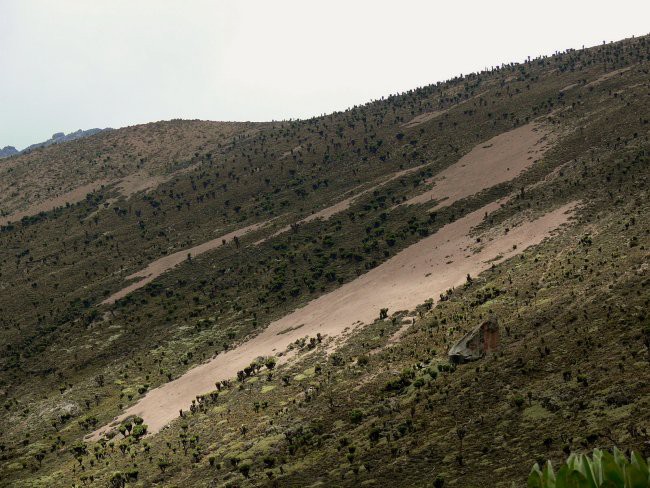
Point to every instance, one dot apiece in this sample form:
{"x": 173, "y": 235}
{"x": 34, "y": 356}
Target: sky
{"x": 78, "y": 64}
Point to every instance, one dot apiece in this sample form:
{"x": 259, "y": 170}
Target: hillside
{"x": 193, "y": 303}
{"x": 126, "y": 161}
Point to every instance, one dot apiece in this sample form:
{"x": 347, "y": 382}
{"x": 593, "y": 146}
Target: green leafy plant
{"x": 602, "y": 470}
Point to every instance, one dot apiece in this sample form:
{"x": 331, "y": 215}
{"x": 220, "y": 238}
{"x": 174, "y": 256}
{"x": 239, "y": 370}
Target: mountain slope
{"x": 129, "y": 160}
{"x": 518, "y": 193}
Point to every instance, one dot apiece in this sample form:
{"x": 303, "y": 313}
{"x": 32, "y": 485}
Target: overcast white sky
{"x": 71, "y": 64}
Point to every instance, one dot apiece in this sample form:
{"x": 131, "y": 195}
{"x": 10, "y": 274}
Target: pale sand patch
{"x": 551, "y": 176}
{"x": 71, "y": 197}
{"x": 140, "y": 181}
{"x": 568, "y": 87}
{"x": 498, "y": 160}
{"x": 65, "y": 173}
{"x": 422, "y": 118}
{"x": 289, "y": 153}
{"x": 432, "y": 114}
{"x": 144, "y": 181}
{"x": 399, "y": 333}
{"x": 166, "y": 263}
{"x": 607, "y": 76}
{"x": 421, "y": 271}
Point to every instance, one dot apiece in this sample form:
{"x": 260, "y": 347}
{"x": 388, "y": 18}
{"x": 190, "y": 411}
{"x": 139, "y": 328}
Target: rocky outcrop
{"x": 476, "y": 343}
{"x": 7, "y": 151}
{"x": 60, "y": 137}
{"x": 56, "y": 138}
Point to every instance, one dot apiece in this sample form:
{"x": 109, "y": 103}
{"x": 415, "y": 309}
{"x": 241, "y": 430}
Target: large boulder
{"x": 477, "y": 343}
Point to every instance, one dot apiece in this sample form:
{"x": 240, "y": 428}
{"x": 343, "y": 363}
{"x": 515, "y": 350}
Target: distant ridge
{"x": 56, "y": 138}
{"x": 7, "y": 151}
{"x": 60, "y": 137}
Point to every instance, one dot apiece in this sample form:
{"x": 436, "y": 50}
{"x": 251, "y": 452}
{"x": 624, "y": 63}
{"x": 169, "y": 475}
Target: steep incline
{"x": 424, "y": 270}
{"x": 356, "y": 232}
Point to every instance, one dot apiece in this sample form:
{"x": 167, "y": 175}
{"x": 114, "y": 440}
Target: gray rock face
{"x": 7, "y": 151}
{"x": 59, "y": 137}
{"x": 56, "y": 138}
{"x": 476, "y": 343}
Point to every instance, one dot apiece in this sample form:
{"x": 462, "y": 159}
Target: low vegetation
{"x": 383, "y": 405}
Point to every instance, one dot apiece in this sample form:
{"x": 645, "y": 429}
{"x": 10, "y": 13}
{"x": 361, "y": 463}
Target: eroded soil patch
{"x": 164, "y": 264}
{"x": 490, "y": 163}
{"x": 421, "y": 271}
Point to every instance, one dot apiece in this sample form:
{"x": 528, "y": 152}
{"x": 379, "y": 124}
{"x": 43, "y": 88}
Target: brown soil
{"x": 569, "y": 87}
{"x": 71, "y": 197}
{"x": 289, "y": 153}
{"x": 607, "y": 76}
{"x": 45, "y": 179}
{"x": 127, "y": 186}
{"x": 399, "y": 333}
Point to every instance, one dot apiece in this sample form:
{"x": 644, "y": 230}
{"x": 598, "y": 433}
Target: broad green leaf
{"x": 620, "y": 458}
{"x": 577, "y": 480}
{"x": 636, "y": 477}
{"x": 535, "y": 478}
{"x": 587, "y": 471}
{"x": 638, "y": 460}
{"x": 612, "y": 472}
{"x": 573, "y": 461}
{"x": 597, "y": 466}
{"x": 561, "y": 481}
{"x": 548, "y": 476}
{"x": 600, "y": 470}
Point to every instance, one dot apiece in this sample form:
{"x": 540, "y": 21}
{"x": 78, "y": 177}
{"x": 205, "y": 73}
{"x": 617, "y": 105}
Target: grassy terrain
{"x": 572, "y": 372}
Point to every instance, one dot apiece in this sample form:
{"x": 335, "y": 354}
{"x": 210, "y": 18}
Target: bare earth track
{"x": 45, "y": 179}
{"x": 422, "y": 118}
{"x": 164, "y": 264}
{"x": 71, "y": 197}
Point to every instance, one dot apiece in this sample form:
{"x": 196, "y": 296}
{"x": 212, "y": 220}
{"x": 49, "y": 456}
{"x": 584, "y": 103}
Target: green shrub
{"x": 518, "y": 401}
{"x": 603, "y": 469}
{"x": 163, "y": 464}
{"x": 139, "y": 431}
{"x": 245, "y": 469}
{"x": 356, "y": 416}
